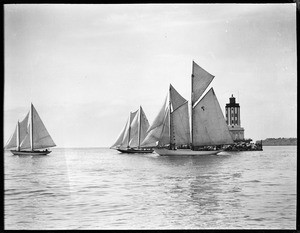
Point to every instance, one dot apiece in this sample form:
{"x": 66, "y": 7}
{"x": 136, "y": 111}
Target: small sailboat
{"x": 134, "y": 132}
{"x": 170, "y": 133}
{"x": 30, "y": 136}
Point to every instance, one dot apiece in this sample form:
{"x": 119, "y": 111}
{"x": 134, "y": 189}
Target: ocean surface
{"x": 100, "y": 188}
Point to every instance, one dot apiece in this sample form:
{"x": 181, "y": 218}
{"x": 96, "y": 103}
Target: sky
{"x": 85, "y": 67}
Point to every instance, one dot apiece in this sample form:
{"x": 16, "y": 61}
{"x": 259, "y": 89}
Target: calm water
{"x": 100, "y": 188}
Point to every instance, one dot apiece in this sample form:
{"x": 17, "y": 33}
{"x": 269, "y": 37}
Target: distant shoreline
{"x": 279, "y": 145}
{"x": 280, "y": 142}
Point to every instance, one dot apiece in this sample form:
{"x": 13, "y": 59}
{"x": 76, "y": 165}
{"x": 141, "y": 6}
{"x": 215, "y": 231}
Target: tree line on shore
{"x": 279, "y": 142}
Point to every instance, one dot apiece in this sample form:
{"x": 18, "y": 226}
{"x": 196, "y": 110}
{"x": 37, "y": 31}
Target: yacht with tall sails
{"x": 174, "y": 133}
{"x": 30, "y": 136}
{"x": 133, "y": 133}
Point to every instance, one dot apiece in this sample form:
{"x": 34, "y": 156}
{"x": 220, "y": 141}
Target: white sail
{"x": 200, "y": 81}
{"x": 24, "y": 127}
{"x": 162, "y": 132}
{"x": 176, "y": 99}
{"x": 159, "y": 118}
{"x": 25, "y": 144}
{"x": 181, "y": 126}
{"x": 157, "y": 128}
{"x": 12, "y": 141}
{"x": 134, "y": 128}
{"x": 152, "y": 137}
{"x": 120, "y": 138}
{"x": 127, "y": 134}
{"x": 144, "y": 125}
{"x": 41, "y": 137}
{"x": 24, "y": 133}
{"x": 139, "y": 127}
{"x": 209, "y": 127}
{"x": 159, "y": 135}
{"x": 164, "y": 138}
{"x": 119, "y": 141}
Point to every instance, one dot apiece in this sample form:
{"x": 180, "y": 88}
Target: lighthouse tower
{"x": 233, "y": 119}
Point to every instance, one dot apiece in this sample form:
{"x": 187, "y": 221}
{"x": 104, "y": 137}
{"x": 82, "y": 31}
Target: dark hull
{"x": 15, "y": 152}
{"x": 135, "y": 151}
{"x": 166, "y": 152}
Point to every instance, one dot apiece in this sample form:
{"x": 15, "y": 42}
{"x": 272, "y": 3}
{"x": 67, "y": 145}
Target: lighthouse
{"x": 233, "y": 119}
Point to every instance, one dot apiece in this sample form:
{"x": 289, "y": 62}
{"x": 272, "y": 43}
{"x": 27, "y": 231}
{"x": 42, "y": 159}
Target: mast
{"x": 31, "y": 127}
{"x": 170, "y": 123}
{"x": 139, "y": 128}
{"x": 192, "y": 76}
{"x": 172, "y": 146}
{"x": 18, "y": 136}
{"x": 129, "y": 130}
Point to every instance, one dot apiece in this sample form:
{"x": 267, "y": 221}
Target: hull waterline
{"x": 166, "y": 152}
{"x": 15, "y": 152}
{"x": 135, "y": 151}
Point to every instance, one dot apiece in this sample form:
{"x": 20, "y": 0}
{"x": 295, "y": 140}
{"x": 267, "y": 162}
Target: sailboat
{"x": 133, "y": 133}
{"x": 170, "y": 133}
{"x": 30, "y": 136}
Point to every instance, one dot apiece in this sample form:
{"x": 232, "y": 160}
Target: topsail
{"x": 200, "y": 81}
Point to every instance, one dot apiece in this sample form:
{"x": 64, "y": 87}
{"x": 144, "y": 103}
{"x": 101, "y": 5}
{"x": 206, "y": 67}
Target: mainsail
{"x": 209, "y": 126}
{"x": 200, "y": 81}
{"x": 40, "y": 136}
